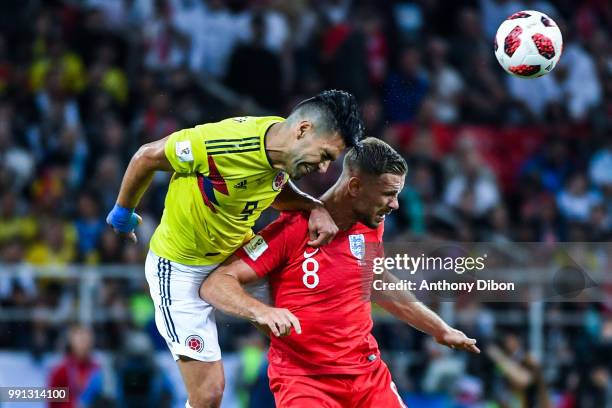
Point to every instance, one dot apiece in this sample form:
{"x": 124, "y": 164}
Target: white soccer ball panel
{"x": 528, "y": 44}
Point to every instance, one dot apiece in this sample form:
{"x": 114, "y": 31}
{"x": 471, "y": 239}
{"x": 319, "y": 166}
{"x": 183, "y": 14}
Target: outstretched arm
{"x": 137, "y": 178}
{"x": 321, "y": 226}
{"x": 406, "y": 307}
{"x": 223, "y": 289}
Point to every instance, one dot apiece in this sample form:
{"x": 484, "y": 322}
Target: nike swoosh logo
{"x": 308, "y": 255}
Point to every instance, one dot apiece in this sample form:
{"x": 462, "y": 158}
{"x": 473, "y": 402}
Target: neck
{"x": 276, "y": 146}
{"x": 335, "y": 200}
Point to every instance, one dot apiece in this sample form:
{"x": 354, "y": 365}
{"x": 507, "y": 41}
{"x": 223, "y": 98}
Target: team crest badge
{"x": 195, "y": 343}
{"x": 357, "y": 245}
{"x": 279, "y": 181}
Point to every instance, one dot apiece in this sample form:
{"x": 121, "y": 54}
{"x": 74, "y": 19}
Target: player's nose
{"x": 394, "y": 204}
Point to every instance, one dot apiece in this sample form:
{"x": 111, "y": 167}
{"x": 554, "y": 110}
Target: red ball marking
{"x": 512, "y": 41}
{"x": 520, "y": 14}
{"x": 544, "y": 45}
{"x": 524, "y": 70}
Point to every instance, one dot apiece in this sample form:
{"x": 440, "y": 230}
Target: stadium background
{"x": 492, "y": 158}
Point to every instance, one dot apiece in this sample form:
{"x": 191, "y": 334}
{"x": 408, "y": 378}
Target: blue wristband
{"x": 122, "y": 219}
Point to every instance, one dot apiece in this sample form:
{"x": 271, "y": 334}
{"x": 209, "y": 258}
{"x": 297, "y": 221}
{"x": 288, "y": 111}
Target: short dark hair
{"x": 375, "y": 157}
{"x": 340, "y": 112}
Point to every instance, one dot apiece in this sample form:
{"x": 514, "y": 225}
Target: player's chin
{"x": 374, "y": 221}
{"x": 296, "y": 175}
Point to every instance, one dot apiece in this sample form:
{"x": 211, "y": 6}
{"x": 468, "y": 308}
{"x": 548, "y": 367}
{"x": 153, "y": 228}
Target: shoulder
{"x": 294, "y": 220}
{"x": 241, "y": 127}
{"x": 290, "y": 224}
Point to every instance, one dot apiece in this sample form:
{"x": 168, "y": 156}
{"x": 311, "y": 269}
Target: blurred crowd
{"x": 491, "y": 157}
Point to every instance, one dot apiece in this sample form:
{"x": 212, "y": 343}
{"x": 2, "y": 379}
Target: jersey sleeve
{"x": 186, "y": 152}
{"x": 272, "y": 247}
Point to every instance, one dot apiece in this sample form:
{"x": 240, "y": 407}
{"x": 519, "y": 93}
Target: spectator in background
{"x": 114, "y": 12}
{"x": 446, "y": 83}
{"x": 15, "y": 222}
{"x": 69, "y": 66}
{"x": 549, "y": 224}
{"x": 6, "y": 67}
{"x": 140, "y": 381}
{"x": 276, "y": 30}
{"x": 79, "y": 371}
{"x": 600, "y": 166}
{"x": 253, "y": 367}
{"x": 550, "y": 165}
{"x": 56, "y": 244}
{"x": 484, "y": 99}
{"x": 106, "y": 179}
{"x": 17, "y": 288}
{"x": 535, "y": 98}
{"x": 89, "y": 225}
{"x": 17, "y": 160}
{"x": 499, "y": 226}
{"x": 576, "y": 74}
{"x": 106, "y": 75}
{"x": 345, "y": 57}
{"x": 471, "y": 188}
{"x": 406, "y": 88}
{"x": 110, "y": 139}
{"x": 214, "y": 31}
{"x": 165, "y": 47}
{"x": 157, "y": 121}
{"x": 575, "y": 201}
{"x": 468, "y": 41}
{"x": 109, "y": 247}
{"x": 18, "y": 291}
{"x": 594, "y": 390}
{"x": 255, "y": 71}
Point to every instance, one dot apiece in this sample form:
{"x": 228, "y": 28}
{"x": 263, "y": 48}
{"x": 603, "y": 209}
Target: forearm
{"x": 225, "y": 292}
{"x": 293, "y": 199}
{"x": 139, "y": 174}
{"x": 517, "y": 375}
{"x": 406, "y": 307}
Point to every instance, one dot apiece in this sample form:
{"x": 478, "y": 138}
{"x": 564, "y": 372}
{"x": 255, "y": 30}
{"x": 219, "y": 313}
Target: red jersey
{"x": 76, "y": 375}
{"x": 326, "y": 288}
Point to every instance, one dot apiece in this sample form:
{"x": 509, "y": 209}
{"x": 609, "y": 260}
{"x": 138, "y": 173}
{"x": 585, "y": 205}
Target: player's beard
{"x": 374, "y": 220}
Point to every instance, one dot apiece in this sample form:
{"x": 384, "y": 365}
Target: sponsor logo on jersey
{"x": 195, "y": 343}
{"x": 183, "y": 151}
{"x": 279, "y": 181}
{"x": 256, "y": 247}
{"x": 357, "y": 245}
{"x": 242, "y": 185}
{"x": 241, "y": 119}
{"x": 310, "y": 254}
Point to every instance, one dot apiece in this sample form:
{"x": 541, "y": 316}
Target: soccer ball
{"x": 528, "y": 44}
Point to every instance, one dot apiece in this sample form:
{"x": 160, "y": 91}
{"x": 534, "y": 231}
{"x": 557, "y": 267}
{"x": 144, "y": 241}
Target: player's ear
{"x": 354, "y": 186}
{"x": 304, "y": 127}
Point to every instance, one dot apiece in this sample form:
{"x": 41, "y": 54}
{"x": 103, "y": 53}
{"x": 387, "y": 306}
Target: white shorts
{"x": 184, "y": 320}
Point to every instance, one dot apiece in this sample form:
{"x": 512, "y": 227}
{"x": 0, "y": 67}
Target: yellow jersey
{"x": 222, "y": 182}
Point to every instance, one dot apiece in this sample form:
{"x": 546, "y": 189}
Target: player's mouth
{"x": 380, "y": 217}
